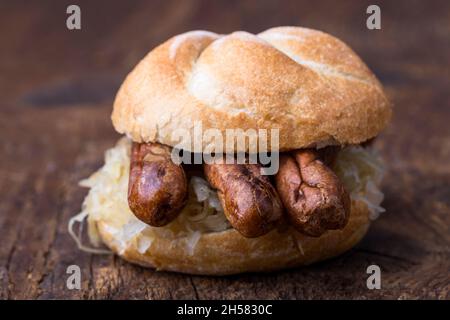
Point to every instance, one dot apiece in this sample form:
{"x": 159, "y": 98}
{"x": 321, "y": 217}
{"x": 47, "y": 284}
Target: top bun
{"x": 306, "y": 83}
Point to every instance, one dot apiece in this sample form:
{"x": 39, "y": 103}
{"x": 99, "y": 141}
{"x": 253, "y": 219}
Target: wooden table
{"x": 57, "y": 88}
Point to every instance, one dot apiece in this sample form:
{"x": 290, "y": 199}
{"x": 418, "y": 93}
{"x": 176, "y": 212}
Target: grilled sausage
{"x": 313, "y": 196}
{"x": 249, "y": 200}
{"x": 157, "y": 188}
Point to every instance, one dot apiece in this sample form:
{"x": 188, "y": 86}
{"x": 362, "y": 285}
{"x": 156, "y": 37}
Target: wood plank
{"x": 57, "y": 88}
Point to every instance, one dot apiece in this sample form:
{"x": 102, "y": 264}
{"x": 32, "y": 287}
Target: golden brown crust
{"x": 306, "y": 83}
{"x": 228, "y": 252}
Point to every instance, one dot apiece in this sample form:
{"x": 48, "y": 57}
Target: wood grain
{"x": 57, "y": 88}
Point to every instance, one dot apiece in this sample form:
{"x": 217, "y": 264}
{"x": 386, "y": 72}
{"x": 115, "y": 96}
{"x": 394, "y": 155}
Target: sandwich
{"x": 178, "y": 193}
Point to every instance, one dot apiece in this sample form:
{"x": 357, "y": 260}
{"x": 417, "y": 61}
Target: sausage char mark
{"x": 157, "y": 187}
{"x": 313, "y": 196}
{"x": 249, "y": 200}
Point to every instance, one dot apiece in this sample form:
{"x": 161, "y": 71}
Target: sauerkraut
{"x": 360, "y": 170}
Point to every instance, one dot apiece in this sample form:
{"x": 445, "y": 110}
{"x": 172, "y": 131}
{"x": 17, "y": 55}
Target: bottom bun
{"x": 201, "y": 241}
{"x": 228, "y": 252}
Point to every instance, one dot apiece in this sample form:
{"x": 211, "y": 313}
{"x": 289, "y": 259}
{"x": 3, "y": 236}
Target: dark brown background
{"x": 57, "y": 87}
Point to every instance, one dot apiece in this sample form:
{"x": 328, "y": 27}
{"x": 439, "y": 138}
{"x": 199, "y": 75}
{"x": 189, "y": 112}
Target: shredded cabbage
{"x": 359, "y": 168}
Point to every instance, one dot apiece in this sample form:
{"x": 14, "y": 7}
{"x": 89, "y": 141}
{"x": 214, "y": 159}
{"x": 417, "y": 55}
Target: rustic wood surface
{"x": 57, "y": 87}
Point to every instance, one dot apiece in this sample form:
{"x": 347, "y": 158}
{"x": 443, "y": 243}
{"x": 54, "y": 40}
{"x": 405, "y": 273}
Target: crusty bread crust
{"x": 228, "y": 252}
{"x": 306, "y": 83}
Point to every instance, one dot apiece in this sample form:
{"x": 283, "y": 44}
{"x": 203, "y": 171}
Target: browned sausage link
{"x": 313, "y": 196}
{"x": 250, "y": 202}
{"x": 157, "y": 189}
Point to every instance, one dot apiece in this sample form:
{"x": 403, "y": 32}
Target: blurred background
{"x": 57, "y": 87}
